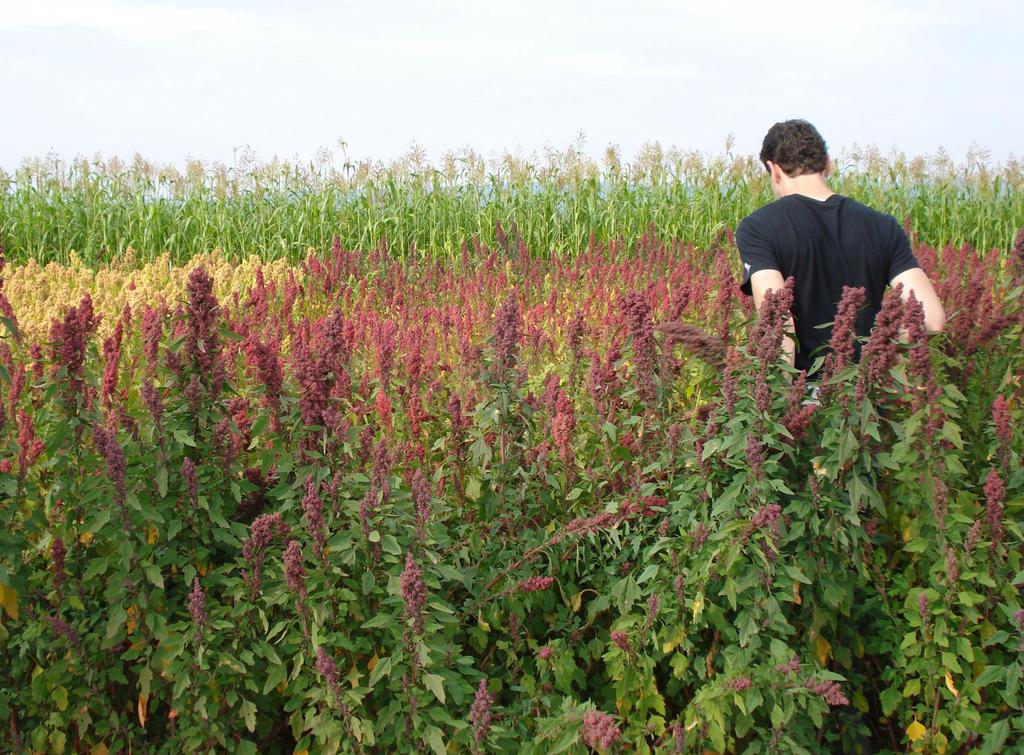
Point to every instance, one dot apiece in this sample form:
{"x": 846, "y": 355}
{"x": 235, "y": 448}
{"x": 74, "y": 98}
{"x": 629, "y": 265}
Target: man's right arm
{"x": 904, "y": 269}
{"x": 917, "y": 280}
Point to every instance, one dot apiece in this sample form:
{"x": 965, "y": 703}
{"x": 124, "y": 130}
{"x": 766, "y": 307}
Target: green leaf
{"x": 154, "y": 576}
{"x": 626, "y": 592}
{"x": 567, "y": 739}
{"x": 60, "y": 697}
{"x": 248, "y": 711}
{"x": 473, "y": 488}
{"x": 717, "y": 735}
{"x": 647, "y": 573}
{"x": 951, "y": 433}
{"x": 300, "y": 659}
{"x": 229, "y": 334}
{"x": 1012, "y": 684}
{"x": 748, "y": 627}
{"x": 847, "y": 446}
{"x": 275, "y": 676}
{"x": 97, "y": 567}
{"x": 998, "y": 638}
{"x": 259, "y": 425}
{"x": 101, "y": 518}
{"x": 382, "y": 669}
{"x": 115, "y": 621}
{"x": 390, "y": 545}
{"x": 796, "y": 573}
{"x": 145, "y": 680}
{"x": 380, "y": 620}
{"x": 917, "y": 545}
{"x": 955, "y": 392}
{"x": 954, "y": 465}
{"x": 950, "y": 662}
{"x": 436, "y": 740}
{"x": 989, "y": 675}
{"x": 729, "y": 591}
{"x": 890, "y": 700}
{"x": 963, "y": 646}
{"x": 161, "y": 482}
{"x": 269, "y": 653}
{"x": 13, "y": 330}
{"x": 996, "y": 738}
{"x": 436, "y": 685}
{"x": 184, "y": 438}
{"x": 59, "y": 741}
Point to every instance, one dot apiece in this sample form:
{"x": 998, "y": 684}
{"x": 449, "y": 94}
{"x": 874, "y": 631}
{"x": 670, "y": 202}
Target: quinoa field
{"x": 493, "y": 456}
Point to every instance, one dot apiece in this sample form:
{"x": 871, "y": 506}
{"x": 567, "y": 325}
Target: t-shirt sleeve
{"x": 756, "y": 252}
{"x": 903, "y": 258}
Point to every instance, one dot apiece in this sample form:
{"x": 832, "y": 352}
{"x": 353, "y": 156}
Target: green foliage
{"x": 722, "y": 580}
{"x": 561, "y": 202}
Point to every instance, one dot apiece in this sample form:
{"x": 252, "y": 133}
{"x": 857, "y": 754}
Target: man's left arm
{"x": 762, "y": 273}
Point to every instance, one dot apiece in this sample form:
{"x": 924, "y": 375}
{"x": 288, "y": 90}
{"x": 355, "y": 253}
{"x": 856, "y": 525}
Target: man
{"x": 825, "y": 241}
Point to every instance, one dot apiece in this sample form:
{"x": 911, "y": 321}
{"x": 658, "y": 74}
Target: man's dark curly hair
{"x": 796, "y": 147}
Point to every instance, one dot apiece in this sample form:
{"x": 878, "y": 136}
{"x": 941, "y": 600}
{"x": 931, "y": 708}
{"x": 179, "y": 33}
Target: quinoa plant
{"x": 520, "y": 503}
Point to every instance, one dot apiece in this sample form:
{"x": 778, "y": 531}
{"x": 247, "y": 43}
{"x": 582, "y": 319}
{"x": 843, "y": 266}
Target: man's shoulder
{"x": 774, "y": 211}
{"x": 786, "y": 209}
{"x": 851, "y": 205}
{"x": 795, "y": 205}
{"x": 761, "y": 218}
{"x": 765, "y": 211}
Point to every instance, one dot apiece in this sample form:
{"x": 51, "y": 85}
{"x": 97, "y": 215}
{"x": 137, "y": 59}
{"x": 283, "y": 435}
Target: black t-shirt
{"x": 824, "y": 245}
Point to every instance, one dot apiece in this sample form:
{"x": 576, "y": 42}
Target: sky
{"x": 185, "y": 79}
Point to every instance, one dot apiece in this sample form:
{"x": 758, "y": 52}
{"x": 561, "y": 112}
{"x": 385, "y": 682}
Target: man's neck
{"x": 812, "y": 185}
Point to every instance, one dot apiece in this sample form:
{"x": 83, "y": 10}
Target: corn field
{"x": 557, "y": 203}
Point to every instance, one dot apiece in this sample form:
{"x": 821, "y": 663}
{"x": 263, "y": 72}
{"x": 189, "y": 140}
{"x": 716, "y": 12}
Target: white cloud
{"x": 207, "y": 30}
{"x": 614, "y": 65}
{"x": 194, "y": 76}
